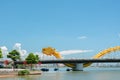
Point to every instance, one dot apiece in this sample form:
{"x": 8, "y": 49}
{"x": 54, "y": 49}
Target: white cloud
{"x": 82, "y": 37}
{"x": 22, "y": 52}
{"x": 4, "y": 50}
{"x": 17, "y": 46}
{"x": 68, "y": 52}
{"x": 38, "y": 53}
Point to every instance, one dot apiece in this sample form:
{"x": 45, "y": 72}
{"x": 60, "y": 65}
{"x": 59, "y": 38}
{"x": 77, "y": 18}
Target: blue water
{"x": 62, "y": 74}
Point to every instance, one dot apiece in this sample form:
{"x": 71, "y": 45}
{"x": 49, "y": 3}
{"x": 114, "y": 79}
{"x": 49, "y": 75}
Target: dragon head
{"x": 51, "y": 51}
{"x": 48, "y": 51}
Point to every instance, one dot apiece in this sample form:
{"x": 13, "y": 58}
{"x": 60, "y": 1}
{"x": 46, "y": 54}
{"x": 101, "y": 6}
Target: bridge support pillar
{"x": 78, "y": 67}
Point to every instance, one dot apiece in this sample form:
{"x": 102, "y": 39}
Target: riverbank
{"x": 4, "y": 73}
{"x": 7, "y": 76}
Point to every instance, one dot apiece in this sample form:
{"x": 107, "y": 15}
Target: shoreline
{"x": 15, "y": 74}
{"x": 8, "y": 75}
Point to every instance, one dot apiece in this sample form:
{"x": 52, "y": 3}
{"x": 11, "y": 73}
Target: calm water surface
{"x": 62, "y": 74}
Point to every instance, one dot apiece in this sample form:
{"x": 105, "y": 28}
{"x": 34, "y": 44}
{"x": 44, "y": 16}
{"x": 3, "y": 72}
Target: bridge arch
{"x": 51, "y": 51}
{"x": 106, "y": 51}
{"x": 102, "y": 53}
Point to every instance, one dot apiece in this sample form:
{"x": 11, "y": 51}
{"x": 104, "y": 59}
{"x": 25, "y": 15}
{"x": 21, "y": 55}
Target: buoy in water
{"x": 44, "y": 69}
{"x": 56, "y": 69}
{"x": 68, "y": 69}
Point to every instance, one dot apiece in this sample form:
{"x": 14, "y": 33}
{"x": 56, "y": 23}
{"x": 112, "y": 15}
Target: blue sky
{"x": 62, "y": 24}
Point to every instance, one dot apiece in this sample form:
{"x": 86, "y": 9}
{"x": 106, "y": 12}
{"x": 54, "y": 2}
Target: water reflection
{"x": 87, "y": 74}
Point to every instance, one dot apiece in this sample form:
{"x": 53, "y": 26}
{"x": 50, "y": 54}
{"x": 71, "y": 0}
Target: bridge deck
{"x": 75, "y": 61}
{"x": 80, "y": 61}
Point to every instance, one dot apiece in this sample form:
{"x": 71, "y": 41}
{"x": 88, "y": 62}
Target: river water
{"x": 62, "y": 74}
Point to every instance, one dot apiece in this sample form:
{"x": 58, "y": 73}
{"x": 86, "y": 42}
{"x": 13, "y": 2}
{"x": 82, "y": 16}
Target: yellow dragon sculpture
{"x": 51, "y": 51}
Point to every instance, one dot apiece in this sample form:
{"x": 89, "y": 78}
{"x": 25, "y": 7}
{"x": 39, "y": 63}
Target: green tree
{"x": 1, "y": 55}
{"x": 14, "y": 55}
{"x": 37, "y": 58}
{"x": 32, "y": 59}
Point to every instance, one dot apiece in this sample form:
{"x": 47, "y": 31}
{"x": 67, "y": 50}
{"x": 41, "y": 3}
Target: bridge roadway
{"x": 75, "y": 61}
